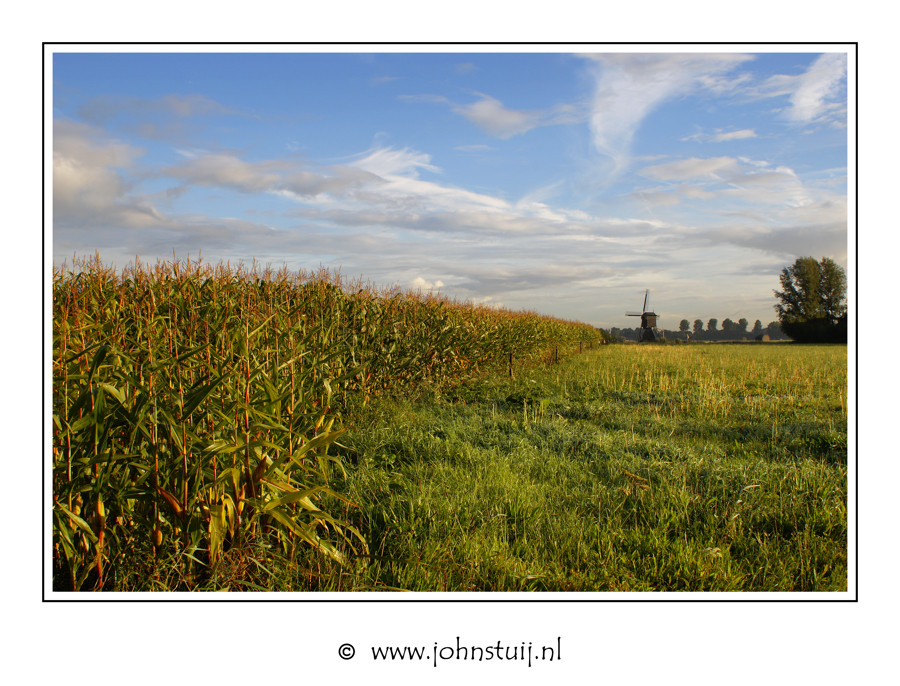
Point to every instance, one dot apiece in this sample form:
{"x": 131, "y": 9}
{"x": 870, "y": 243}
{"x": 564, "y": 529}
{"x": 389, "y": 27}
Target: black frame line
{"x": 391, "y": 598}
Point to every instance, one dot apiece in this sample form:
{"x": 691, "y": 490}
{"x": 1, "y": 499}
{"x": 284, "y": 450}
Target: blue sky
{"x": 562, "y": 183}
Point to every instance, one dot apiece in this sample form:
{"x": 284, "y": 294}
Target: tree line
{"x": 710, "y": 331}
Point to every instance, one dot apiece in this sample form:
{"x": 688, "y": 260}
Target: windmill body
{"x": 648, "y": 332}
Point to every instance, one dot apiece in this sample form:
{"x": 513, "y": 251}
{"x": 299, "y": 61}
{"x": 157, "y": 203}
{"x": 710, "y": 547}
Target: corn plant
{"x": 194, "y": 406}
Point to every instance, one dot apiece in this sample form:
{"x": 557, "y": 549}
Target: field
{"x": 245, "y": 432}
{"x": 194, "y": 408}
{"x": 628, "y": 468}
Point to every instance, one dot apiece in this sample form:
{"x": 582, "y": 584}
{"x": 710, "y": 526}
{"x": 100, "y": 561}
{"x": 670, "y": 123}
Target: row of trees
{"x": 730, "y": 331}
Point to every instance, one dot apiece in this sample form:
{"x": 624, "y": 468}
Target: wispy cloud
{"x": 171, "y": 117}
{"x": 721, "y": 136}
{"x": 102, "y": 109}
{"x": 816, "y": 96}
{"x": 381, "y": 80}
{"x": 752, "y": 204}
{"x": 491, "y": 116}
{"x": 228, "y": 171}
{"x": 693, "y": 168}
{"x": 474, "y": 148}
{"x": 628, "y": 87}
{"x": 425, "y": 97}
{"x": 379, "y": 189}
{"x": 391, "y": 162}
{"x": 740, "y": 180}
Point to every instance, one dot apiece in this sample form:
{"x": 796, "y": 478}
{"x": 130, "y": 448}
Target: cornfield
{"x": 194, "y": 405}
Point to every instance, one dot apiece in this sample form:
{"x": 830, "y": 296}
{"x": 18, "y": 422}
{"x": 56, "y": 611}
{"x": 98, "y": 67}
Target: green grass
{"x": 628, "y": 468}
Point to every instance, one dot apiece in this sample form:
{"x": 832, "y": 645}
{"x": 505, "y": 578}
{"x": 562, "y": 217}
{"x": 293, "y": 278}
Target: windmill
{"x": 649, "y": 332}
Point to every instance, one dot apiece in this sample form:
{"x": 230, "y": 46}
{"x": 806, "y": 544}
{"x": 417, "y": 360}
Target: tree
{"x": 742, "y": 325}
{"x": 812, "y": 305}
{"x": 684, "y": 326}
{"x": 698, "y": 325}
{"x": 711, "y": 325}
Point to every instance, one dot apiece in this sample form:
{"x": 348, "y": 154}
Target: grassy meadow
{"x": 626, "y": 468}
{"x": 220, "y": 428}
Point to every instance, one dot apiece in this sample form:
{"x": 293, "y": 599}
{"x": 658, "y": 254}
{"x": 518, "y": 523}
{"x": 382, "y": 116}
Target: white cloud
{"x": 389, "y": 162}
{"x": 816, "y": 94}
{"x": 281, "y": 177}
{"x": 739, "y": 181}
{"x": 734, "y": 135}
{"x": 491, "y": 116}
{"x": 88, "y": 185}
{"x": 222, "y": 169}
{"x": 97, "y": 205}
{"x": 722, "y": 136}
{"x": 420, "y": 284}
{"x": 91, "y": 146}
{"x": 692, "y": 168}
{"x": 751, "y": 204}
{"x": 630, "y": 86}
{"x": 378, "y": 187}
{"x": 488, "y": 301}
{"x": 817, "y": 88}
